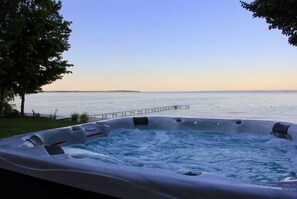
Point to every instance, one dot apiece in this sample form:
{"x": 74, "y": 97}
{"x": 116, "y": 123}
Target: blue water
{"x": 248, "y": 157}
{"x": 280, "y": 106}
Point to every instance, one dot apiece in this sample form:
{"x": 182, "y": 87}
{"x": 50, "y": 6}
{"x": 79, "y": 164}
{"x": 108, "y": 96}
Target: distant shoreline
{"x": 108, "y": 91}
{"x": 135, "y": 91}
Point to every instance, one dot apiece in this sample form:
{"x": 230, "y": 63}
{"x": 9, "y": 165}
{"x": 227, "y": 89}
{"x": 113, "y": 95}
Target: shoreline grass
{"x": 21, "y": 125}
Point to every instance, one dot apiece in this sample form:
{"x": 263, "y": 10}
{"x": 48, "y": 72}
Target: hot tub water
{"x": 252, "y": 158}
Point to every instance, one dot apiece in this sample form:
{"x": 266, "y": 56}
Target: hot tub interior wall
{"x": 82, "y": 133}
{"x": 196, "y": 124}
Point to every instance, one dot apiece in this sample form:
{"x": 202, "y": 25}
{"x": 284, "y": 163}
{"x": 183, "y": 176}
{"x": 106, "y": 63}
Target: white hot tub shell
{"x": 40, "y": 155}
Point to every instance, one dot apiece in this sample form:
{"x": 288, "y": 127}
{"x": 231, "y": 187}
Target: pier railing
{"x": 104, "y": 116}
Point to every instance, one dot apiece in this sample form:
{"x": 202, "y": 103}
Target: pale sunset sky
{"x": 173, "y": 45}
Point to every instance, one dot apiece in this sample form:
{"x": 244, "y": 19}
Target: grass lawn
{"x": 20, "y": 125}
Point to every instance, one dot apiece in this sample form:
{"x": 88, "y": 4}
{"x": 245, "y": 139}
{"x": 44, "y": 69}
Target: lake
{"x": 268, "y": 105}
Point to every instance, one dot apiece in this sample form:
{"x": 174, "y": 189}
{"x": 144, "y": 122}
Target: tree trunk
{"x": 23, "y": 104}
{"x": 1, "y": 100}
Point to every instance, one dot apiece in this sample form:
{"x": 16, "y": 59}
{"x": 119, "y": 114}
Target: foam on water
{"x": 248, "y": 157}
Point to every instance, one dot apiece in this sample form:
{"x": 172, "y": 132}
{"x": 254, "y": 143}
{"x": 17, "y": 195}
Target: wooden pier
{"x": 104, "y": 116}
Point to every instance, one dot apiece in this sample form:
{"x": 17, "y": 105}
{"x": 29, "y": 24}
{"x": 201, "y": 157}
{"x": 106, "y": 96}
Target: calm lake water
{"x": 276, "y": 105}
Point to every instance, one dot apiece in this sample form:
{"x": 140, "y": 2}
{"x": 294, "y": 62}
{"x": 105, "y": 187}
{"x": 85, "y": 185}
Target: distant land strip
{"x": 111, "y": 91}
{"x": 135, "y": 91}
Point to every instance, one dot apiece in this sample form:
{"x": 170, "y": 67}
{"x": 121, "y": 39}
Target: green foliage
{"x": 8, "y": 109}
{"x": 74, "y": 117}
{"x": 54, "y": 115}
{"x": 279, "y": 14}
{"x": 8, "y": 96}
{"x": 84, "y": 118}
{"x": 8, "y": 32}
{"x": 33, "y": 37}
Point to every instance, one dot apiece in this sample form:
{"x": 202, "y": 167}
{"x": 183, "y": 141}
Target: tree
{"x": 279, "y": 14}
{"x": 8, "y": 34}
{"x": 37, "y": 50}
{"x": 8, "y": 108}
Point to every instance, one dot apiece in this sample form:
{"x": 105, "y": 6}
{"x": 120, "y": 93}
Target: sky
{"x": 173, "y": 45}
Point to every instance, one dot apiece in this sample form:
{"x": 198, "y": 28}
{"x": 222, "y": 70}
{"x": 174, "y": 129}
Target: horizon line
{"x": 90, "y": 91}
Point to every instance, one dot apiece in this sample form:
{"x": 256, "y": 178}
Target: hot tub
{"x": 99, "y": 159}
